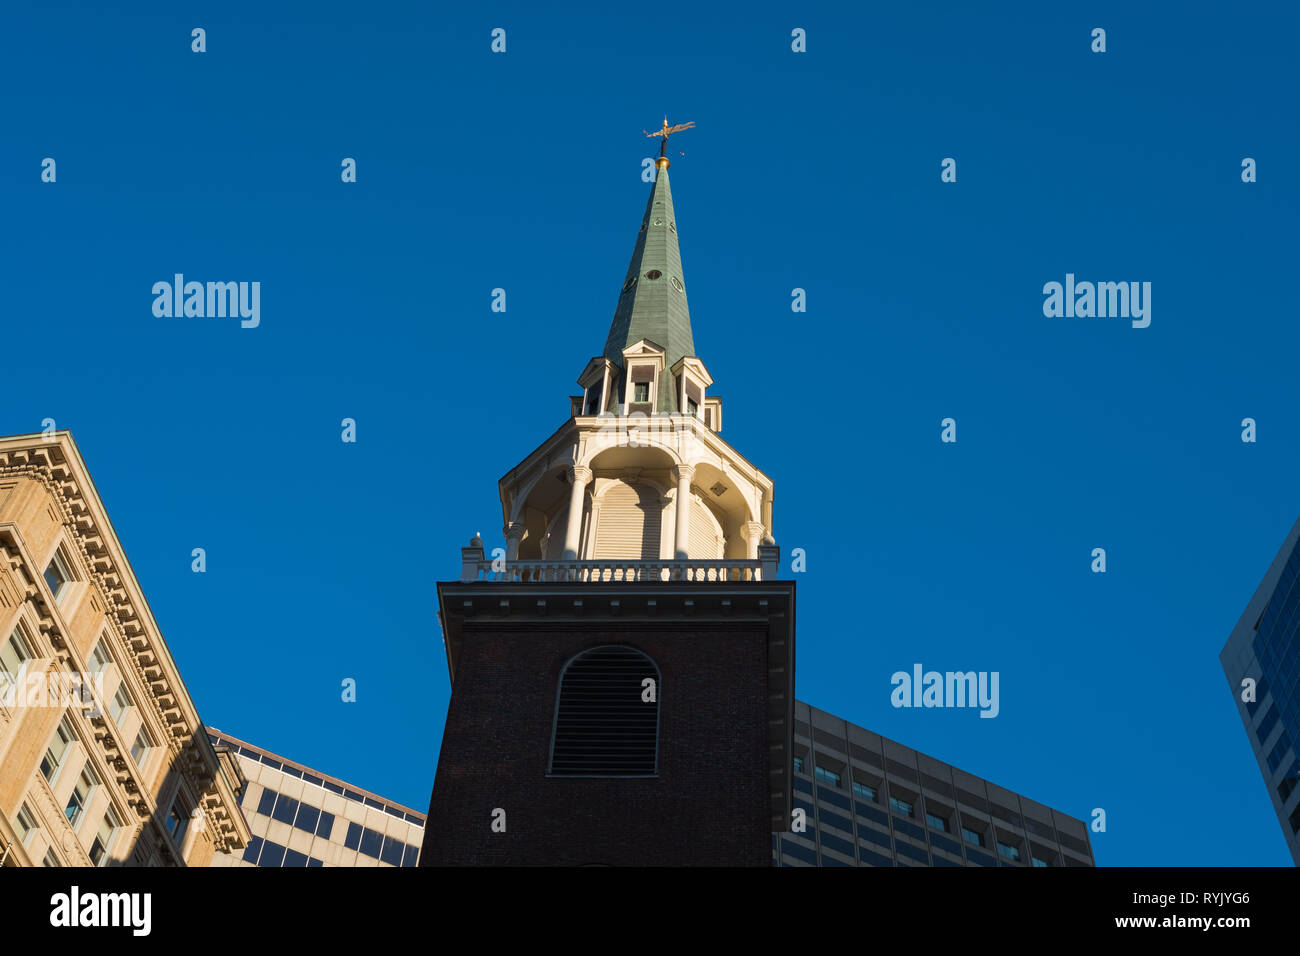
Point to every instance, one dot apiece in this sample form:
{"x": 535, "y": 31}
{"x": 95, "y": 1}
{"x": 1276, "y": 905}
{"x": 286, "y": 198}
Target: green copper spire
{"x": 653, "y": 301}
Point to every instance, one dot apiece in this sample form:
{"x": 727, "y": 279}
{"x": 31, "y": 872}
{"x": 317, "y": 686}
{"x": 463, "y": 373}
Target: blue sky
{"x": 819, "y": 171}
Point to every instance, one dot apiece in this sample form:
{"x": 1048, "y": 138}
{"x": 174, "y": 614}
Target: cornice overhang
{"x": 55, "y": 461}
{"x": 539, "y": 607}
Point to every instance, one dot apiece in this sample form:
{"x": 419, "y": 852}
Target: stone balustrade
{"x": 476, "y": 567}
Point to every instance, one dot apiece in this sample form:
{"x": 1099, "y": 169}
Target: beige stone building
{"x": 103, "y": 758}
{"x": 302, "y": 817}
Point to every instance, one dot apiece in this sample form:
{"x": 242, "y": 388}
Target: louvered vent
{"x": 704, "y": 537}
{"x": 628, "y": 527}
{"x": 603, "y": 728}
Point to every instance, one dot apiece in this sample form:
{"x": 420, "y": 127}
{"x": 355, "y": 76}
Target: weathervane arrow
{"x": 664, "y": 133}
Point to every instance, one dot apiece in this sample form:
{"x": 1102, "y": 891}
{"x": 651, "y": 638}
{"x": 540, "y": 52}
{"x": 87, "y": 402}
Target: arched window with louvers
{"x": 607, "y": 715}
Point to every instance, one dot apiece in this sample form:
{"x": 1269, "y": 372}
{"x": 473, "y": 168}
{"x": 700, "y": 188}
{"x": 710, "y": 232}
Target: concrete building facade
{"x": 301, "y": 817}
{"x": 869, "y": 801}
{"x": 103, "y": 758}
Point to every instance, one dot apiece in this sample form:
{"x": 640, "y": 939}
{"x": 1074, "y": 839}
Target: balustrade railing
{"x": 592, "y": 571}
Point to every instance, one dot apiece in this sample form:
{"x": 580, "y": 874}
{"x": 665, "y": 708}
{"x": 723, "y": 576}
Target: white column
{"x": 683, "y": 474}
{"x": 514, "y": 534}
{"x": 752, "y": 532}
{"x": 579, "y": 475}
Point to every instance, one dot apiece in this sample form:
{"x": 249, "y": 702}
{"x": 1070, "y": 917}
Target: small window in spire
{"x": 653, "y": 274}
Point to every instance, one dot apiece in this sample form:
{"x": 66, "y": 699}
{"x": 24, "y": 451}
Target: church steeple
{"x": 640, "y": 471}
{"x": 652, "y": 304}
{"x": 639, "y": 551}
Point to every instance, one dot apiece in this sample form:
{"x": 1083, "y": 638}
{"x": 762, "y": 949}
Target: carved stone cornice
{"x": 55, "y": 464}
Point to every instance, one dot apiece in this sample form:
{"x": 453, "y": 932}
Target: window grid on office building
{"x": 881, "y": 809}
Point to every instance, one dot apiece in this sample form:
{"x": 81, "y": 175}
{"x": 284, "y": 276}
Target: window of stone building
{"x": 26, "y": 825}
{"x": 57, "y": 575}
{"x": 108, "y": 827}
{"x": 80, "y": 795}
{"x": 99, "y": 658}
{"x": 143, "y": 744}
{"x": 120, "y": 704}
{"x": 13, "y": 653}
{"x": 178, "y": 819}
{"x": 57, "y": 750}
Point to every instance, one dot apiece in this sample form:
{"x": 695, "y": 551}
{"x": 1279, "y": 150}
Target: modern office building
{"x": 103, "y": 758}
{"x": 623, "y": 672}
{"x": 1262, "y": 663}
{"x": 869, "y": 801}
{"x": 302, "y": 817}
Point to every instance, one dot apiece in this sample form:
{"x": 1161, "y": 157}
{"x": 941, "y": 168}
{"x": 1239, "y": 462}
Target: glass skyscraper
{"x": 1265, "y": 648}
{"x": 869, "y": 801}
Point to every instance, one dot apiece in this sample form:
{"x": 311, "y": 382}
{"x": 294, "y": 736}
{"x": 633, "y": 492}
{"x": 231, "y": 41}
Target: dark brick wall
{"x": 709, "y": 804}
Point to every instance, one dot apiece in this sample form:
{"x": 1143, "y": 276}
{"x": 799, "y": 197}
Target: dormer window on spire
{"x": 644, "y": 361}
{"x": 599, "y": 381}
{"x": 691, "y": 379}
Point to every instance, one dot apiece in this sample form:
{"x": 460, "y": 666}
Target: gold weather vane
{"x": 665, "y": 133}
